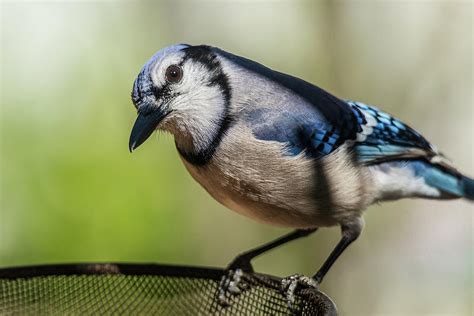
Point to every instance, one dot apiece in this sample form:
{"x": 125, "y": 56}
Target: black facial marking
{"x": 144, "y": 86}
{"x": 164, "y": 93}
{"x": 205, "y": 55}
{"x": 202, "y": 54}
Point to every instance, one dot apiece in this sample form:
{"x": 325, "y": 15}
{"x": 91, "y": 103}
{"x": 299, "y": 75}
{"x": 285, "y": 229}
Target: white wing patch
{"x": 368, "y": 128}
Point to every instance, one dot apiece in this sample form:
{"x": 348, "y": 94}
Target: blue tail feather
{"x": 447, "y": 181}
{"x": 468, "y": 187}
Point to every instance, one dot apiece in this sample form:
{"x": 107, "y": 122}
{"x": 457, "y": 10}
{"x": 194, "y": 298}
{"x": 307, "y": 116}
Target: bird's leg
{"x": 230, "y": 282}
{"x": 242, "y": 261}
{"x": 350, "y": 232}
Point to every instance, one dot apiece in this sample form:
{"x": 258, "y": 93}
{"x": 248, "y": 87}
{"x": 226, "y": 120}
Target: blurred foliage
{"x": 71, "y": 192}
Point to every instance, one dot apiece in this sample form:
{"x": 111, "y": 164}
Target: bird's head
{"x": 182, "y": 89}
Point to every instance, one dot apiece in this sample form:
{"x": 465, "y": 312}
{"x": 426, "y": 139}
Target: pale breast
{"x": 253, "y": 178}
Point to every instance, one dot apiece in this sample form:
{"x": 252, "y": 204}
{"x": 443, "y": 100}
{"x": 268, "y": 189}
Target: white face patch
{"x": 196, "y": 104}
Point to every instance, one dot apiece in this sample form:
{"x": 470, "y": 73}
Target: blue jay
{"x": 283, "y": 151}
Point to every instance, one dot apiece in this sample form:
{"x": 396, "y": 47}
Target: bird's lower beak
{"x": 144, "y": 126}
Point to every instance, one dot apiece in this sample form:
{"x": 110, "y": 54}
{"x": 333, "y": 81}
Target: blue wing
{"x": 386, "y": 138}
{"x": 375, "y": 136}
{"x": 303, "y": 129}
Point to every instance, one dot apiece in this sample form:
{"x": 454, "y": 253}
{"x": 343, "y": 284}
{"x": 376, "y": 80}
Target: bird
{"x": 283, "y": 151}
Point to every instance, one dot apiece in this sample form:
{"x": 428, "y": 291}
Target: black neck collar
{"x": 206, "y": 56}
{"x": 202, "y": 157}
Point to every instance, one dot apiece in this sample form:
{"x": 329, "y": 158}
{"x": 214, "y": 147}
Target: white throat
{"x": 196, "y": 118}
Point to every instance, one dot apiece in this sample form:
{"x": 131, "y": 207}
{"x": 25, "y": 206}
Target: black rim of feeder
{"x": 124, "y": 288}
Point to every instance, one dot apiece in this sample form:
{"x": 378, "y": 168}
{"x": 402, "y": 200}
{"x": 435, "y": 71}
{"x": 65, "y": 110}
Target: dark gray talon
{"x": 291, "y": 283}
{"x": 231, "y": 283}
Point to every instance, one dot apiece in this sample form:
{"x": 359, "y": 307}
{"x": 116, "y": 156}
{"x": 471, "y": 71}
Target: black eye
{"x": 174, "y": 74}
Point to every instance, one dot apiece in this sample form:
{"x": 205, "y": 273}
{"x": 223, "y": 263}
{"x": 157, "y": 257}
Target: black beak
{"x": 144, "y": 126}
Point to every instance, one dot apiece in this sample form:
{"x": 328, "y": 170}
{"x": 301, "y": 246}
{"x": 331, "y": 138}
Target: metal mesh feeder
{"x": 131, "y": 289}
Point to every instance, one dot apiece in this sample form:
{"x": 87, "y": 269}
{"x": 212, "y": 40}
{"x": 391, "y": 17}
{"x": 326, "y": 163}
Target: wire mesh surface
{"x": 133, "y": 289}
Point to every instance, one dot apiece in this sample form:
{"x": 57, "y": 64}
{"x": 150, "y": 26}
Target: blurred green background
{"x": 71, "y": 191}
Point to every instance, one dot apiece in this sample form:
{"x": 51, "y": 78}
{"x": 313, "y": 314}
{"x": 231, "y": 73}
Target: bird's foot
{"x": 291, "y": 283}
{"x": 231, "y": 285}
{"x": 232, "y": 282}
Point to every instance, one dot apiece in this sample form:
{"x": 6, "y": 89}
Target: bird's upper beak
{"x": 144, "y": 126}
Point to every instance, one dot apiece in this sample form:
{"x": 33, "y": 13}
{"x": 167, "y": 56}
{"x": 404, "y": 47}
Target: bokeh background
{"x": 71, "y": 191}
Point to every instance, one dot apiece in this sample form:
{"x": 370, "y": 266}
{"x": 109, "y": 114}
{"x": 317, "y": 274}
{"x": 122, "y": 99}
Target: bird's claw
{"x": 231, "y": 284}
{"x": 291, "y": 283}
